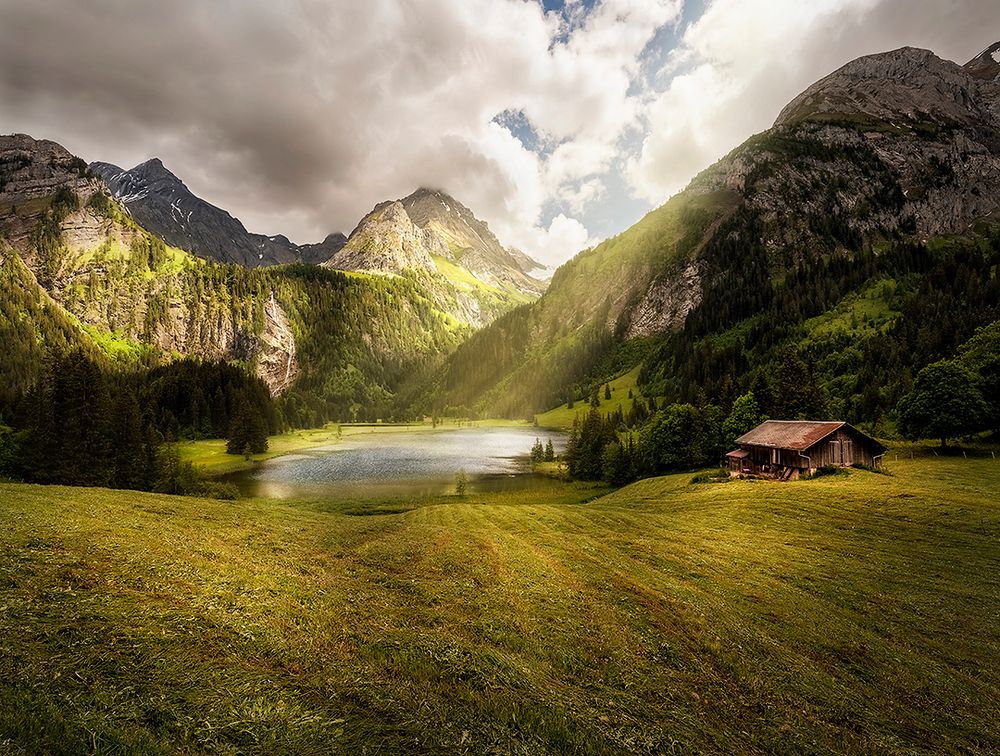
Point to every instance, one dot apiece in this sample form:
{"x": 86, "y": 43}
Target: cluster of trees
{"x": 82, "y": 423}
{"x": 193, "y": 398}
{"x": 957, "y": 397}
{"x": 675, "y": 437}
{"x": 540, "y": 453}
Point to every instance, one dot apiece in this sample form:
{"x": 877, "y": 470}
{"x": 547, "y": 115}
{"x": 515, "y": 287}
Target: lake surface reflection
{"x": 404, "y": 463}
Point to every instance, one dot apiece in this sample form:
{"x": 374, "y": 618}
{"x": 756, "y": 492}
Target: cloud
{"x": 563, "y": 238}
{"x": 299, "y": 116}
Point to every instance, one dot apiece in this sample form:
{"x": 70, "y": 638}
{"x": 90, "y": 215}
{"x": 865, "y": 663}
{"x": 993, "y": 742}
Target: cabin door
{"x": 845, "y": 453}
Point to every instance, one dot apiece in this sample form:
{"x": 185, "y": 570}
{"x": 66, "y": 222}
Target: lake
{"x": 404, "y": 463}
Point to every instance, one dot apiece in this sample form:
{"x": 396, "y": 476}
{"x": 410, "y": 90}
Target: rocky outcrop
{"x": 387, "y": 241}
{"x": 667, "y": 302}
{"x": 277, "y": 363}
{"x": 32, "y": 171}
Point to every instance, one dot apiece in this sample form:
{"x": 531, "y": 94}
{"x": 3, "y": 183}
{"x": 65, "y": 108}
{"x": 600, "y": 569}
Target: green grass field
{"x": 562, "y": 416}
{"x": 846, "y": 614}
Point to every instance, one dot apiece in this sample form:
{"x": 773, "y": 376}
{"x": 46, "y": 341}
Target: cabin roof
{"x": 790, "y": 434}
{"x": 738, "y": 454}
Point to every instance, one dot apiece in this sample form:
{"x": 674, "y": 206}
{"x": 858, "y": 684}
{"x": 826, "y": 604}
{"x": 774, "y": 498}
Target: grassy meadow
{"x": 562, "y": 416}
{"x": 855, "y": 613}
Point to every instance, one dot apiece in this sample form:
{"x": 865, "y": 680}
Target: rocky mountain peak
{"x": 154, "y": 169}
{"x": 986, "y": 65}
{"x": 470, "y": 239}
{"x": 903, "y": 86}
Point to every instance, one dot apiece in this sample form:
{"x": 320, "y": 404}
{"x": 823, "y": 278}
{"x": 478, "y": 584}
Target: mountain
{"x": 160, "y": 202}
{"x": 858, "y": 235}
{"x": 433, "y": 238}
{"x": 427, "y": 236}
{"x": 77, "y": 270}
{"x": 314, "y": 254}
{"x": 470, "y": 242}
{"x": 986, "y": 65}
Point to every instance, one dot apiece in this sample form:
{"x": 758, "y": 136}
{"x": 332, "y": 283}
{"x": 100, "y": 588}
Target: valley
{"x": 413, "y": 489}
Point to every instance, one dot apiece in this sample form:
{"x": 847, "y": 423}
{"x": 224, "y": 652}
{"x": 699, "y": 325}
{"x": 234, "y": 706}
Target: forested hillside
{"x": 79, "y": 273}
{"x": 831, "y": 257}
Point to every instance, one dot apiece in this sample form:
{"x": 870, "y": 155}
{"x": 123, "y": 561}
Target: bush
{"x": 829, "y": 470}
{"x": 715, "y": 476}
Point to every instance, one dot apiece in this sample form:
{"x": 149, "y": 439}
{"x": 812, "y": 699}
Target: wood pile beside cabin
{"x": 785, "y": 449}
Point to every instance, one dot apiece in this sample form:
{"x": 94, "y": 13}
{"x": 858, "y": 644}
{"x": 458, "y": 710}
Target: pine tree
{"x": 247, "y": 430}
{"x": 537, "y": 452}
{"x": 607, "y": 391}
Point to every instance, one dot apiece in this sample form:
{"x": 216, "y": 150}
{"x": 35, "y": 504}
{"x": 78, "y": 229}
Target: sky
{"x": 558, "y": 122}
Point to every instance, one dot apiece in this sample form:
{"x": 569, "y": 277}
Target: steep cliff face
{"x": 277, "y": 361}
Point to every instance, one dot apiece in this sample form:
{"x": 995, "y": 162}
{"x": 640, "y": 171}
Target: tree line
{"x": 82, "y": 423}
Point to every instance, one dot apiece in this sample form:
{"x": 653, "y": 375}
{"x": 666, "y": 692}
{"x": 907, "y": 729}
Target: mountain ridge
{"x": 891, "y": 150}
{"x": 163, "y": 204}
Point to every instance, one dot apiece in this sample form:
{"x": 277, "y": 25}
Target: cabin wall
{"x": 843, "y": 448}
{"x": 763, "y": 456}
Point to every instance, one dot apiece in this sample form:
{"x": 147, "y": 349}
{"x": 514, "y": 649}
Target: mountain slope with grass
{"x": 859, "y": 234}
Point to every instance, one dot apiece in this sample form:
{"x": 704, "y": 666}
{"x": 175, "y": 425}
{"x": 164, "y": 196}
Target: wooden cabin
{"x": 785, "y": 449}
